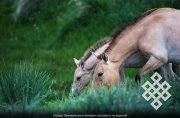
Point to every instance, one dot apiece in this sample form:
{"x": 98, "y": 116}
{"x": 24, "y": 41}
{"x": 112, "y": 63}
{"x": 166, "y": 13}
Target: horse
{"x": 156, "y": 35}
{"x": 87, "y": 64}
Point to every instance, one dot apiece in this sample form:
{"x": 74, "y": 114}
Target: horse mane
{"x": 94, "y": 48}
{"x": 120, "y": 30}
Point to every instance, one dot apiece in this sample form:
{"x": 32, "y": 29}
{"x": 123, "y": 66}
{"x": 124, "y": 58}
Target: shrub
{"x": 22, "y": 88}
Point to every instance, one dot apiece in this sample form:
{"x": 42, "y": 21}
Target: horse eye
{"x": 78, "y": 78}
{"x": 82, "y": 65}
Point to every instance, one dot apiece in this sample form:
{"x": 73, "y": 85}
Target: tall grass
{"x": 119, "y": 100}
{"x": 22, "y": 88}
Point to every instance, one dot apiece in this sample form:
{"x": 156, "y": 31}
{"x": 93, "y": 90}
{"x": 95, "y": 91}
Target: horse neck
{"x": 125, "y": 46}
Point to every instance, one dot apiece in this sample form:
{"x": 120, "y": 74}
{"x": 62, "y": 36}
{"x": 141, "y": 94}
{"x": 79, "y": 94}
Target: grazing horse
{"x": 87, "y": 64}
{"x": 156, "y": 34}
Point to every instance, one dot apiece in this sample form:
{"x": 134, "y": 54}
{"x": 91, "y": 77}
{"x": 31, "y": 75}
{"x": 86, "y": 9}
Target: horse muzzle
{"x": 75, "y": 91}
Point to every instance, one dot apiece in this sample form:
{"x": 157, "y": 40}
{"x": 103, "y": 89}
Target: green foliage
{"x": 117, "y": 99}
{"x": 22, "y": 88}
{"x": 104, "y": 100}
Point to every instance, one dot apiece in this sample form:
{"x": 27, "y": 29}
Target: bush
{"x": 22, "y": 88}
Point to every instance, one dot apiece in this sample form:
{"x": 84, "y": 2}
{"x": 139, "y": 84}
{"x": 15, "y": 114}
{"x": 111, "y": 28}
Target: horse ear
{"x": 95, "y": 54}
{"x": 76, "y": 61}
{"x": 104, "y": 56}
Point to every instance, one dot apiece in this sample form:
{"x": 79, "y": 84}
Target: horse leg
{"x": 122, "y": 75}
{"x": 174, "y": 69}
{"x": 152, "y": 64}
{"x": 159, "y": 70}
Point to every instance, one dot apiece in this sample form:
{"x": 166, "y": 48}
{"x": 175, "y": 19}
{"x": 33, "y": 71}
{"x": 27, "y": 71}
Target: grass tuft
{"x": 22, "y": 88}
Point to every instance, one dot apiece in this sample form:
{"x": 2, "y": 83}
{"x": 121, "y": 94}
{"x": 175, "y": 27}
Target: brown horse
{"x": 156, "y": 34}
{"x": 87, "y": 64}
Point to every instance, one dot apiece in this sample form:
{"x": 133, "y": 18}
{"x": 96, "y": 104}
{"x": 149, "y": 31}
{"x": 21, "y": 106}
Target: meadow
{"x": 39, "y": 41}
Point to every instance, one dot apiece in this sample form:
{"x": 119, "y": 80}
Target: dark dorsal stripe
{"x": 120, "y": 30}
{"x": 94, "y": 48}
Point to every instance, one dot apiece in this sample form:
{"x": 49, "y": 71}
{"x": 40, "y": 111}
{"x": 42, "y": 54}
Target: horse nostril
{"x": 78, "y": 78}
{"x": 100, "y": 74}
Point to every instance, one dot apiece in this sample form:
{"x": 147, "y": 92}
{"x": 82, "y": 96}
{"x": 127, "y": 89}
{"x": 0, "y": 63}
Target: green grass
{"x": 59, "y": 30}
{"x": 117, "y": 99}
{"x": 22, "y": 88}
